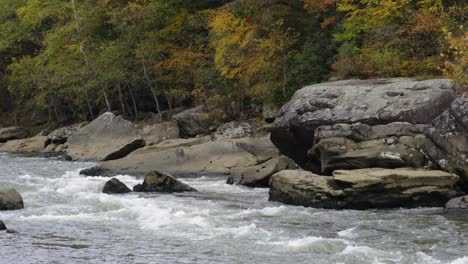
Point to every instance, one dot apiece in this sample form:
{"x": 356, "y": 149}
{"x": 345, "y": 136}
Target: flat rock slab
{"x": 210, "y": 158}
{"x": 107, "y": 137}
{"x": 364, "y": 188}
{"x": 10, "y": 199}
{"x": 33, "y": 144}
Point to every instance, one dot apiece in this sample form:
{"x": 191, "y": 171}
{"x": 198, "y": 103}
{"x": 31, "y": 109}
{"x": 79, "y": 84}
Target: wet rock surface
{"x": 115, "y": 186}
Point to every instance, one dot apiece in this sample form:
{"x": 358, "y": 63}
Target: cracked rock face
{"x": 364, "y": 188}
{"x": 365, "y": 110}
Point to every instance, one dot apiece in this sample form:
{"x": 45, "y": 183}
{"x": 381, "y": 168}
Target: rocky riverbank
{"x": 378, "y": 144}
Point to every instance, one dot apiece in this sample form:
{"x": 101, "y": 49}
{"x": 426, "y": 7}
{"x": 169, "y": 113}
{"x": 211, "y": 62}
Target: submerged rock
{"x": 259, "y": 175}
{"x": 11, "y": 231}
{"x": 2, "y": 226}
{"x": 363, "y": 110}
{"x": 364, "y": 188}
{"x": 10, "y": 199}
{"x": 10, "y": 133}
{"x": 115, "y": 186}
{"x": 156, "y": 181}
{"x": 458, "y": 203}
{"x": 106, "y": 138}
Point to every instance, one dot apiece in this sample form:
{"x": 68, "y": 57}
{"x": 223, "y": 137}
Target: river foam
{"x": 68, "y": 218}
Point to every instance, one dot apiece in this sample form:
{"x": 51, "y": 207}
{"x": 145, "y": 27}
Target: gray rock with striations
{"x": 364, "y": 188}
{"x": 157, "y": 181}
{"x": 363, "y": 108}
{"x": 108, "y": 137}
{"x": 10, "y": 199}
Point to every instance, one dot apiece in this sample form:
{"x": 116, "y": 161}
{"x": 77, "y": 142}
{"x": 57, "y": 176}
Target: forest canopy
{"x": 76, "y": 58}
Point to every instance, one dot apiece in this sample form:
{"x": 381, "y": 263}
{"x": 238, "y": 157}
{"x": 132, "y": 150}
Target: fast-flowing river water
{"x": 68, "y": 220}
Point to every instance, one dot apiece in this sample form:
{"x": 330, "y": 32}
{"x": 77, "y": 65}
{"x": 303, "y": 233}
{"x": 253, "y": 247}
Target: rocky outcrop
{"x": 338, "y": 125}
{"x": 155, "y": 133}
{"x": 10, "y": 133}
{"x": 115, "y": 186}
{"x": 10, "y": 199}
{"x": 2, "y": 226}
{"x": 364, "y": 188}
{"x": 233, "y": 130}
{"x": 60, "y": 135}
{"x": 259, "y": 175}
{"x": 157, "y": 181}
{"x": 106, "y": 138}
{"x": 34, "y": 144}
{"x": 194, "y": 121}
{"x": 448, "y": 144}
{"x": 458, "y": 203}
{"x": 210, "y": 158}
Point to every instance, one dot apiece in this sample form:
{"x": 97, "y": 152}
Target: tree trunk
{"x": 106, "y": 98}
{"x": 145, "y": 73}
{"x": 121, "y": 98}
{"x": 135, "y": 108}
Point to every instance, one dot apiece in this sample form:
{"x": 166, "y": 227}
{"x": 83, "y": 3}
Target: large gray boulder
{"x": 360, "y": 111}
{"x": 157, "y": 181}
{"x": 194, "y": 121}
{"x": 210, "y": 158}
{"x": 364, "y": 188}
{"x": 9, "y": 133}
{"x": 60, "y": 135}
{"x": 34, "y": 144}
{"x": 259, "y": 175}
{"x": 10, "y": 199}
{"x": 107, "y": 137}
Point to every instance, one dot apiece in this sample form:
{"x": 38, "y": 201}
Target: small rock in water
{"x": 11, "y": 231}
{"x": 2, "y": 226}
{"x": 10, "y": 199}
{"x": 460, "y": 203}
{"x": 115, "y": 186}
{"x": 138, "y": 188}
{"x": 157, "y": 181}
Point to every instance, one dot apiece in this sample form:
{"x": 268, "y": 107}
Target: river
{"x": 68, "y": 220}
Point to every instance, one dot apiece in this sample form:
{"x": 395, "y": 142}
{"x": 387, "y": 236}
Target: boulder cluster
{"x": 379, "y": 143}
